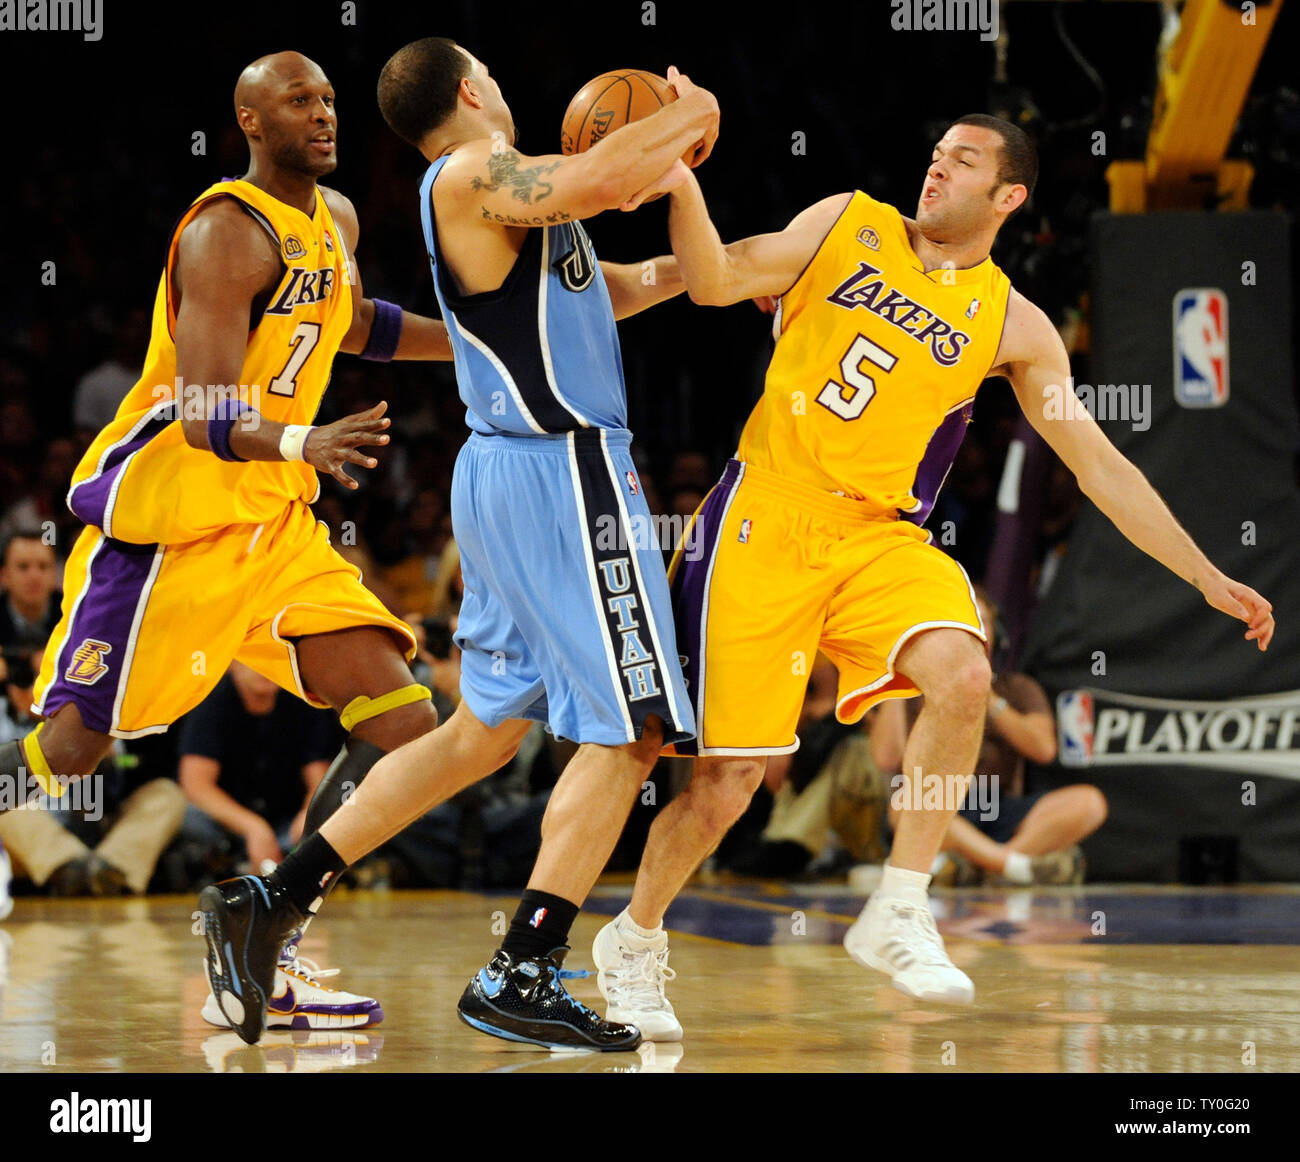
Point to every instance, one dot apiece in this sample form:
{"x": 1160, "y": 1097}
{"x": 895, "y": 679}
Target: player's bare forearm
{"x": 423, "y": 338}
{"x": 635, "y": 287}
{"x": 765, "y": 264}
{"x": 1120, "y": 490}
{"x": 638, "y": 153}
{"x": 701, "y": 257}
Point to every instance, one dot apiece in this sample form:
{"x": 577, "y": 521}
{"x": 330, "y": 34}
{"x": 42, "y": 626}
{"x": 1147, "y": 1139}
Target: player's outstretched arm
{"x": 633, "y": 287}
{"x": 766, "y": 264}
{"x": 1034, "y": 359}
{"x": 224, "y": 262}
{"x": 495, "y": 182}
{"x": 401, "y": 334}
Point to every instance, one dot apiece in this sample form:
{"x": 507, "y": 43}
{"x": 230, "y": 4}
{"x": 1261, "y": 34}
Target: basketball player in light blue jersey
{"x": 561, "y": 622}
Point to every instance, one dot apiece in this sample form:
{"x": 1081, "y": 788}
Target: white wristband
{"x": 292, "y": 440}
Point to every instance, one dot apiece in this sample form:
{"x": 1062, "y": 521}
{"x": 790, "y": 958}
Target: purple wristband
{"x": 385, "y": 332}
{"x": 224, "y": 417}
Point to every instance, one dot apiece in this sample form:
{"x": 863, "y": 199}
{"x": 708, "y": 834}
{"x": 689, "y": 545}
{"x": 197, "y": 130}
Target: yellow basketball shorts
{"x": 148, "y": 630}
{"x": 771, "y": 571}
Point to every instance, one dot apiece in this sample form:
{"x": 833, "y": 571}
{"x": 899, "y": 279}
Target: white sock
{"x": 898, "y": 883}
{"x": 1019, "y": 868}
{"x": 627, "y": 925}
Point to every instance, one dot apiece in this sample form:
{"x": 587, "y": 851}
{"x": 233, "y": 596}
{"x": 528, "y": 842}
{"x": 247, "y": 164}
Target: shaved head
{"x": 269, "y": 74}
{"x": 284, "y": 104}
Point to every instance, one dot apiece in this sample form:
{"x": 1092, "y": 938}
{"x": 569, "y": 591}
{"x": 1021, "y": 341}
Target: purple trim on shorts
{"x": 690, "y": 589}
{"x": 118, "y": 573}
{"x": 89, "y": 500}
{"x": 938, "y": 458}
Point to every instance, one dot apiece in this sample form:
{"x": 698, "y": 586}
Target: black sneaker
{"x": 246, "y": 922}
{"x": 526, "y": 1001}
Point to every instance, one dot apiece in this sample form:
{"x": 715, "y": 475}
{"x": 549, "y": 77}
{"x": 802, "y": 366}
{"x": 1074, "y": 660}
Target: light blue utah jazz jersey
{"x": 539, "y": 354}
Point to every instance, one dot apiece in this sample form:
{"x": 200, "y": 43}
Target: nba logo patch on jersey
{"x": 1201, "y": 347}
{"x": 329, "y": 242}
{"x": 293, "y": 247}
{"x": 1074, "y": 722}
{"x": 746, "y": 527}
{"x": 538, "y": 917}
{"x": 631, "y": 482}
{"x": 869, "y": 238}
{"x": 88, "y": 665}
{"x": 973, "y": 309}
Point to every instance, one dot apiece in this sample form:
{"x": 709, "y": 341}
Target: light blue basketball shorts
{"x": 566, "y": 617}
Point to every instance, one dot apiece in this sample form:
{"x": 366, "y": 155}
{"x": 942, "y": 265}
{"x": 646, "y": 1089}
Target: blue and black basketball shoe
{"x": 246, "y": 922}
{"x": 526, "y": 1001}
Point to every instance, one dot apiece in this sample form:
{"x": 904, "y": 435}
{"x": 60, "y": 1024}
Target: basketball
{"x": 609, "y": 102}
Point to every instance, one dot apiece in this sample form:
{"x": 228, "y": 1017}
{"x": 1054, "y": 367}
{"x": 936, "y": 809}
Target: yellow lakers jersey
{"x": 876, "y": 365}
{"x": 140, "y": 481}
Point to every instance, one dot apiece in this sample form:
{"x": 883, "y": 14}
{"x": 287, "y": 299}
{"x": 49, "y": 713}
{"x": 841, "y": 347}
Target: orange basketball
{"x": 609, "y": 102}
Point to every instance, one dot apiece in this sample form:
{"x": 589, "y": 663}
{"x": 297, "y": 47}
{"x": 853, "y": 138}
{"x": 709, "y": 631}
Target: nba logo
{"x": 631, "y": 483}
{"x": 1201, "y": 347}
{"x": 973, "y": 308}
{"x": 746, "y": 527}
{"x": 537, "y": 919}
{"x": 1074, "y": 721}
{"x": 329, "y": 242}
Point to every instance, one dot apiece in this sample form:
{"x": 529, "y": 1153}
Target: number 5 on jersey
{"x": 848, "y": 399}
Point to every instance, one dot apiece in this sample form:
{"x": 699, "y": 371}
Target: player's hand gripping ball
{"x": 609, "y": 102}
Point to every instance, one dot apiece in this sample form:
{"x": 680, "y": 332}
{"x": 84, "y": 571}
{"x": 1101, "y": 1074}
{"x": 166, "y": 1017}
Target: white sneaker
{"x": 300, "y": 1001}
{"x": 631, "y": 976}
{"x": 6, "y": 877}
{"x": 900, "y": 939}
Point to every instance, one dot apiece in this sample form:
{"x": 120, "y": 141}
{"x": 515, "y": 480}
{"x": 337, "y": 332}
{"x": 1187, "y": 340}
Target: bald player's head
{"x": 284, "y": 104}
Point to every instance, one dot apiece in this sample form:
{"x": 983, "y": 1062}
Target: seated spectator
{"x": 1034, "y": 837}
{"x": 99, "y": 392}
{"x": 43, "y": 506}
{"x": 829, "y": 789}
{"x": 111, "y": 849}
{"x": 29, "y": 611}
{"x": 251, "y": 756}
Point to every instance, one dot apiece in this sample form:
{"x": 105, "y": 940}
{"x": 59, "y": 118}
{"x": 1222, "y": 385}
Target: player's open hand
{"x": 676, "y": 175}
{"x": 331, "y": 446}
{"x": 1242, "y": 602}
{"x": 683, "y": 86}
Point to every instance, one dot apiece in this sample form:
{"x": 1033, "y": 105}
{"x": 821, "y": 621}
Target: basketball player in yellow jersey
{"x": 200, "y": 547}
{"x": 886, "y": 327}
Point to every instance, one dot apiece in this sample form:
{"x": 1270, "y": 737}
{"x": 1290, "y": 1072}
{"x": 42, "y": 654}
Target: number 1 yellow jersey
{"x": 876, "y": 365}
{"x": 140, "y": 481}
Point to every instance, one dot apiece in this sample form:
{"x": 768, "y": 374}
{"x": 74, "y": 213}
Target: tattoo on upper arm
{"x": 525, "y": 185}
{"x": 510, "y": 220}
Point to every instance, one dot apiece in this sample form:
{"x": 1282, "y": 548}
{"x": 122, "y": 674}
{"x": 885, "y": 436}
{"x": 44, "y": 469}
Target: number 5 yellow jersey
{"x": 876, "y": 365}
{"x": 140, "y": 481}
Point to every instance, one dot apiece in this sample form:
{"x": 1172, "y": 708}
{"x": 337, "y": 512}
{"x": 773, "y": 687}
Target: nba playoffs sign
{"x": 1201, "y": 347}
{"x": 1258, "y": 736}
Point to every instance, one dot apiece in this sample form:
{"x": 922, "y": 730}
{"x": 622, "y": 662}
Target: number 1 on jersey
{"x": 848, "y": 399}
{"x": 305, "y": 338}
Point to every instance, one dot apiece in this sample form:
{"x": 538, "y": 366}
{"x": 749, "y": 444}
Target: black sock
{"x": 307, "y": 872}
{"x": 541, "y": 925}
